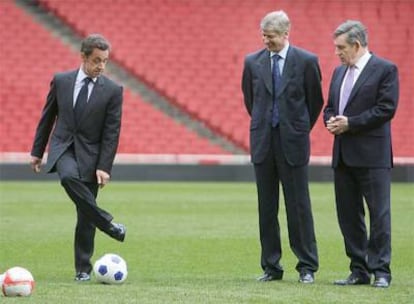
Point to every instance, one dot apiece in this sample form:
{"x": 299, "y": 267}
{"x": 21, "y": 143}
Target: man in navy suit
{"x": 363, "y": 98}
{"x": 83, "y": 108}
{"x": 282, "y": 92}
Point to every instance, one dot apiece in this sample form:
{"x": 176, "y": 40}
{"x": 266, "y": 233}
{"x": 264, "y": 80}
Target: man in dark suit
{"x": 84, "y": 109}
{"x": 363, "y": 98}
{"x": 282, "y": 94}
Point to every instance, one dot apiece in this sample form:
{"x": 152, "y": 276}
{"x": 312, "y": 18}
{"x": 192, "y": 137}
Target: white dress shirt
{"x": 79, "y": 84}
{"x": 282, "y": 60}
{"x": 359, "y": 66}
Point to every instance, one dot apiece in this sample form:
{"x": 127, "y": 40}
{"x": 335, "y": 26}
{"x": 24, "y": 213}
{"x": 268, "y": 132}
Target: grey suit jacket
{"x": 300, "y": 102}
{"x": 95, "y": 138}
{"x": 370, "y": 108}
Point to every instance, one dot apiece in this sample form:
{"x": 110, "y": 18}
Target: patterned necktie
{"x": 277, "y": 80}
{"x": 82, "y": 99}
{"x": 348, "y": 84}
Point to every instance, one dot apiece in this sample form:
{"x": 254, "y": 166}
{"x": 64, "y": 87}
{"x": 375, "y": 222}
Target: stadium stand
{"x": 192, "y": 52}
{"x": 31, "y": 55}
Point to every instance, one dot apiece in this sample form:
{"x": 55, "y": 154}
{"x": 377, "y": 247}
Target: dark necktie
{"x": 277, "y": 80}
{"x": 82, "y": 99}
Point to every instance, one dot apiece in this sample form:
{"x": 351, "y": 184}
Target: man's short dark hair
{"x": 94, "y": 41}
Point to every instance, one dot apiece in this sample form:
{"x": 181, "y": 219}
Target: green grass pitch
{"x": 187, "y": 243}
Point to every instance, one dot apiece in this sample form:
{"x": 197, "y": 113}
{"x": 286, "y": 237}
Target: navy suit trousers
{"x": 294, "y": 180}
{"x": 352, "y": 186}
{"x": 89, "y": 215}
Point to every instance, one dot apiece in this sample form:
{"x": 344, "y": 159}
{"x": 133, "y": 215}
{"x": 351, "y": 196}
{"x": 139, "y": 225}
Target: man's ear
{"x": 358, "y": 45}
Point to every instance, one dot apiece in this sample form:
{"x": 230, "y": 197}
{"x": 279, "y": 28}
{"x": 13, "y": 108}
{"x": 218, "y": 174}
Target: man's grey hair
{"x": 94, "y": 41}
{"x": 354, "y": 30}
{"x": 277, "y": 21}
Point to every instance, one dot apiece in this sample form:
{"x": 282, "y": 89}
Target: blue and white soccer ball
{"x": 110, "y": 269}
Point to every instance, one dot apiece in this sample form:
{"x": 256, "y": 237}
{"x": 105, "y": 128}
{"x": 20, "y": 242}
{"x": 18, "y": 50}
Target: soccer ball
{"x": 110, "y": 269}
{"x": 17, "y": 281}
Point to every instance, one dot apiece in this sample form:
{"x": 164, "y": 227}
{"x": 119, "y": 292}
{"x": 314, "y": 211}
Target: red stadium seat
{"x": 192, "y": 52}
{"x": 34, "y": 55}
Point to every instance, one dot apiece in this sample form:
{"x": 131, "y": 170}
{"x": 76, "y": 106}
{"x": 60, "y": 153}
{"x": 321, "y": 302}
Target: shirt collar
{"x": 81, "y": 76}
{"x": 362, "y": 62}
{"x": 282, "y": 53}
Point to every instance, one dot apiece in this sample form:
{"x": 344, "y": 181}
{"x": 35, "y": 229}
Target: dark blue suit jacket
{"x": 371, "y": 106}
{"x": 95, "y": 138}
{"x": 300, "y": 102}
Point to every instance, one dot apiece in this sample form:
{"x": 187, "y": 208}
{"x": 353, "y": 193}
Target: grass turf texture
{"x": 187, "y": 243}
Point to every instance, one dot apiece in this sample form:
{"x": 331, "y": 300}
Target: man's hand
{"x": 337, "y": 124}
{"x": 102, "y": 177}
{"x": 35, "y": 163}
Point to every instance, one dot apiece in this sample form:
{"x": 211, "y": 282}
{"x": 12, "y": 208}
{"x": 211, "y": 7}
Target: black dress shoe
{"x": 354, "y": 280}
{"x": 117, "y": 231}
{"x": 306, "y": 278}
{"x": 267, "y": 277}
{"x": 82, "y": 277}
{"x": 381, "y": 282}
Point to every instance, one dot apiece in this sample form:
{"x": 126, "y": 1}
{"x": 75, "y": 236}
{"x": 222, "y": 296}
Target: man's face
{"x": 346, "y": 52}
{"x": 94, "y": 64}
{"x": 274, "y": 41}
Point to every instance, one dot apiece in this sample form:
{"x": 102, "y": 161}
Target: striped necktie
{"x": 277, "y": 80}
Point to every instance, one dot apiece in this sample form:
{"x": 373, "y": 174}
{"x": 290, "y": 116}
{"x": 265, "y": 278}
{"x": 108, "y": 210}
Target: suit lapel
{"x": 69, "y": 86}
{"x": 265, "y": 70}
{"x": 93, "y": 98}
{"x": 337, "y": 85}
{"x": 365, "y": 74}
{"x": 289, "y": 69}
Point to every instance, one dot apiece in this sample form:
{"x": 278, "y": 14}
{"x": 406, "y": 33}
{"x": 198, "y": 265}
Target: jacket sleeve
{"x": 313, "y": 90}
{"x": 329, "y": 110}
{"x": 247, "y": 87}
{"x": 46, "y": 122}
{"x": 111, "y": 131}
